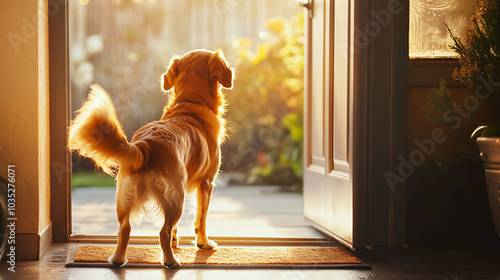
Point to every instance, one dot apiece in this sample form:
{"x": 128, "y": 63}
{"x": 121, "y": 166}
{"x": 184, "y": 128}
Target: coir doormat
{"x": 222, "y": 257}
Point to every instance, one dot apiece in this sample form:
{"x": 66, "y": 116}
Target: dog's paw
{"x": 210, "y": 245}
{"x": 173, "y": 265}
{"x": 116, "y": 261}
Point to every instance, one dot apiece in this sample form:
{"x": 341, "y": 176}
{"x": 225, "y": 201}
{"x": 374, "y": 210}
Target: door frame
{"x": 375, "y": 84}
{"x": 380, "y": 84}
{"x": 61, "y": 157}
{"x": 60, "y": 116}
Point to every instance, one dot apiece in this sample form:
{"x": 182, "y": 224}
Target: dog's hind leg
{"x": 124, "y": 203}
{"x": 119, "y": 258}
{"x": 172, "y": 203}
{"x": 203, "y": 195}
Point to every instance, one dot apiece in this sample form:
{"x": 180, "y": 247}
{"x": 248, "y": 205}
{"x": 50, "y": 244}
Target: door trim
{"x": 61, "y": 168}
{"x": 60, "y": 116}
{"x": 220, "y": 240}
{"x": 374, "y": 85}
{"x": 380, "y": 87}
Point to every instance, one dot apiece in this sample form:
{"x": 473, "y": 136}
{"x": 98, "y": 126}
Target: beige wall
{"x": 24, "y": 118}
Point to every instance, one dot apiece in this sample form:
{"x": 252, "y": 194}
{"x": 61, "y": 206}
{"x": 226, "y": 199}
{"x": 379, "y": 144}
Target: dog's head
{"x": 196, "y": 73}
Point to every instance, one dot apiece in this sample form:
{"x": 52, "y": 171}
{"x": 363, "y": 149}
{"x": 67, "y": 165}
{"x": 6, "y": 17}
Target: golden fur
{"x": 167, "y": 158}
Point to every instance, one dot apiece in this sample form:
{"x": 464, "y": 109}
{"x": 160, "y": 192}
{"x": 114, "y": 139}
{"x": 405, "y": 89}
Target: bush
{"x": 479, "y": 55}
{"x": 266, "y": 107}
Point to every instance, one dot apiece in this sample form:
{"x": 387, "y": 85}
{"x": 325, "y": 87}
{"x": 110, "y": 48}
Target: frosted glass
{"x": 428, "y": 36}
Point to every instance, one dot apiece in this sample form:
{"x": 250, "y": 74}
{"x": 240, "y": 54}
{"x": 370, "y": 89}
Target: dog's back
{"x": 187, "y": 136}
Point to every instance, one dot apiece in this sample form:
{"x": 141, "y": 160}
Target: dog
{"x": 166, "y": 159}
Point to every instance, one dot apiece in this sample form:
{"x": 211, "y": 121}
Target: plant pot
{"x": 490, "y": 155}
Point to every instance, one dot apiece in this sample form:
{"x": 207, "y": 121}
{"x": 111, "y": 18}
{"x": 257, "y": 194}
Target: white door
{"x": 328, "y": 194}
{"x": 355, "y": 119}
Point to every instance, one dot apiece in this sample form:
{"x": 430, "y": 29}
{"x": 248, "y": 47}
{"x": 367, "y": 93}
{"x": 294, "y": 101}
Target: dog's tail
{"x": 97, "y": 134}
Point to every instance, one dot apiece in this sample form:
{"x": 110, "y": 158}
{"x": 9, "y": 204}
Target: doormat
{"x": 222, "y": 257}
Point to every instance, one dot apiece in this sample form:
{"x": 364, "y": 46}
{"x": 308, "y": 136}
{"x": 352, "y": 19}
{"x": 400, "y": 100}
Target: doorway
{"x": 259, "y": 190}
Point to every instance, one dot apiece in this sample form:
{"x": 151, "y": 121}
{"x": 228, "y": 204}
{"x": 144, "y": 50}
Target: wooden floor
{"x": 387, "y": 264}
{"x": 231, "y": 208}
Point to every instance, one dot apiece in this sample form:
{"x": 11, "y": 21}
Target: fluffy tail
{"x": 97, "y": 134}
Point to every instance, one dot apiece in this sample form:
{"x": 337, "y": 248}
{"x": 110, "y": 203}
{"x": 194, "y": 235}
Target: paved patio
{"x": 235, "y": 211}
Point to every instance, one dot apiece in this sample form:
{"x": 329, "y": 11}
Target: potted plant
{"x": 479, "y": 57}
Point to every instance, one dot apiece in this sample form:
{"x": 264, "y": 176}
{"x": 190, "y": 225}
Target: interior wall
{"x": 24, "y": 119}
{"x": 446, "y": 189}
{"x": 456, "y": 131}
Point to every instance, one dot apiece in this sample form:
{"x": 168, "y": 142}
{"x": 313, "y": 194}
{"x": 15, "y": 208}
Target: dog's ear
{"x": 170, "y": 76}
{"x": 220, "y": 71}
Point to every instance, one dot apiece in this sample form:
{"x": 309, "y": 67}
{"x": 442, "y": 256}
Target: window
{"x": 429, "y": 36}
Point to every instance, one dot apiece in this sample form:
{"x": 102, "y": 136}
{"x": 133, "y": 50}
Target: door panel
{"x": 316, "y": 103}
{"x": 327, "y": 178}
{"x": 340, "y": 121}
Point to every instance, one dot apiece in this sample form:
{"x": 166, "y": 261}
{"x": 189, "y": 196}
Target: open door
{"x": 355, "y": 119}
{"x": 328, "y": 195}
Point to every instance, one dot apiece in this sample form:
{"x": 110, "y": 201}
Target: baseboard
{"x": 32, "y": 246}
{"x": 45, "y": 240}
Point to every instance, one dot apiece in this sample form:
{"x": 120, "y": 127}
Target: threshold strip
{"x": 220, "y": 240}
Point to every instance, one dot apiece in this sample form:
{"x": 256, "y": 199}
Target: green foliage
{"x": 292, "y": 153}
{"x": 441, "y": 109}
{"x": 491, "y": 130}
{"x": 439, "y": 102}
{"x": 91, "y": 179}
{"x": 479, "y": 57}
{"x": 265, "y": 106}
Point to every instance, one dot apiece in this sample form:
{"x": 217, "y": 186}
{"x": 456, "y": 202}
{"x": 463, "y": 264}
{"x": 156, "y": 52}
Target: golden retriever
{"x": 166, "y": 159}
